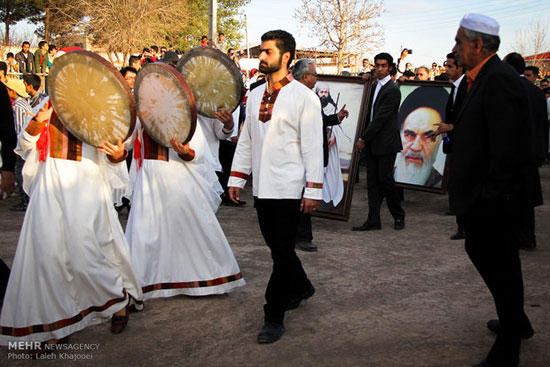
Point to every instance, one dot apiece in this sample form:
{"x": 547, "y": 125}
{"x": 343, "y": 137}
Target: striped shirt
{"x": 21, "y": 110}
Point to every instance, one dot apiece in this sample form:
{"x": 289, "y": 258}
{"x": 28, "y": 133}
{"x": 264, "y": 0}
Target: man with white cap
{"x": 491, "y": 179}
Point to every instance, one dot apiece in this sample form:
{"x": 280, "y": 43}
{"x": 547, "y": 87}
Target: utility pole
{"x": 212, "y": 21}
{"x": 246, "y": 32}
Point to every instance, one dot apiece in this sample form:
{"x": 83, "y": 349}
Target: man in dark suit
{"x": 458, "y": 94}
{"x": 491, "y": 178}
{"x": 381, "y": 142}
{"x": 539, "y": 123}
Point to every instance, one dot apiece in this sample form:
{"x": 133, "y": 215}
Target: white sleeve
{"x": 311, "y": 141}
{"x": 242, "y": 161}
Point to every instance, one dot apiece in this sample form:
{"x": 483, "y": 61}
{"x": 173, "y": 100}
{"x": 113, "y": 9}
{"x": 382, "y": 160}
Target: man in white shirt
{"x": 281, "y": 145}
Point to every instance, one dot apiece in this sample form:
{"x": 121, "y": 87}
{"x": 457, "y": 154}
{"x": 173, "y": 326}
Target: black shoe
{"x": 399, "y": 224}
{"x": 531, "y": 246}
{"x": 459, "y": 235}
{"x": 525, "y": 333}
{"x": 271, "y": 332}
{"x": 306, "y": 246}
{"x": 231, "y": 203}
{"x": 367, "y": 227}
{"x": 295, "y": 301}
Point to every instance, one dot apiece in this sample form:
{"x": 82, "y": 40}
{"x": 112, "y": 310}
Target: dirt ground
{"x": 384, "y": 298}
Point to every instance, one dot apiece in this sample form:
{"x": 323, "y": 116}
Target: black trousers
{"x": 226, "y": 153}
{"x": 380, "y": 185}
{"x": 492, "y": 245}
{"x": 278, "y": 221}
{"x": 304, "y": 232}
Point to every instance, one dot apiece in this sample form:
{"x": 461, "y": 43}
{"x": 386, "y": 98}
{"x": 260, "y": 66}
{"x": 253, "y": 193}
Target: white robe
{"x": 72, "y": 265}
{"x": 176, "y": 242}
{"x": 333, "y": 183}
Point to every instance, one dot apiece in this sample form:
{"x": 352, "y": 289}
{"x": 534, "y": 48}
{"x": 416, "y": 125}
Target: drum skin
{"x": 214, "y": 78}
{"x": 91, "y": 98}
{"x": 165, "y": 104}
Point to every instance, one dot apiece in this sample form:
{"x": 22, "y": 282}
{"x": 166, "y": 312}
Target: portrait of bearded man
{"x": 419, "y": 114}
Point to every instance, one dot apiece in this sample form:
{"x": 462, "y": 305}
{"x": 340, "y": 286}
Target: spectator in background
{"x": 25, "y": 59}
{"x": 221, "y": 43}
{"x": 41, "y": 58}
{"x": 204, "y": 41}
{"x": 433, "y": 71}
{"x": 134, "y": 62}
{"x": 531, "y": 73}
{"x": 146, "y": 56}
{"x": 162, "y": 51}
{"x": 171, "y": 58}
{"x": 13, "y": 66}
{"x": 51, "y": 54}
{"x": 32, "y": 86}
{"x": 544, "y": 84}
{"x": 21, "y": 110}
{"x": 154, "y": 53}
{"x": 422, "y": 73}
{"x": 407, "y": 75}
{"x": 129, "y": 74}
{"x": 3, "y": 71}
{"x": 366, "y": 66}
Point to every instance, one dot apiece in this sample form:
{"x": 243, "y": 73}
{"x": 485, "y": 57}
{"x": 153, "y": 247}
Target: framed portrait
{"x": 335, "y": 93}
{"x": 421, "y": 165}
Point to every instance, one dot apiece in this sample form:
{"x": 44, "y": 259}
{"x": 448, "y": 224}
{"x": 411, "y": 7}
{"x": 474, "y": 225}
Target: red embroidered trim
{"x": 268, "y": 100}
{"x": 239, "y": 175}
{"x": 314, "y": 185}
{"x": 33, "y": 329}
{"x": 193, "y": 284}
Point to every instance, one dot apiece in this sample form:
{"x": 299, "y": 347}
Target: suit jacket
{"x": 328, "y": 121}
{"x": 537, "y": 106}
{"x": 26, "y": 66}
{"x": 493, "y": 160}
{"x": 451, "y": 112}
{"x": 381, "y": 134}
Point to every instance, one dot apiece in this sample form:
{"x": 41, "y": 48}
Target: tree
{"x": 230, "y": 22}
{"x": 533, "y": 40}
{"x": 347, "y": 26}
{"x": 12, "y": 11}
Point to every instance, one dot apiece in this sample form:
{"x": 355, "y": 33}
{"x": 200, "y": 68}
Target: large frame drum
{"x": 214, "y": 78}
{"x": 91, "y": 98}
{"x": 165, "y": 104}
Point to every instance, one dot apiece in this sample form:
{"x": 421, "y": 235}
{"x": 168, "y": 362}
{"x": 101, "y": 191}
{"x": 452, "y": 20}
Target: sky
{"x": 426, "y": 27}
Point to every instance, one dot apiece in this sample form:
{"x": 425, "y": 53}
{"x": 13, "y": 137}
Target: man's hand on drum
{"x": 182, "y": 149}
{"x": 226, "y": 118}
{"x": 115, "y": 153}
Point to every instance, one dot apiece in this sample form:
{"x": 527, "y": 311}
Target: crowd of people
{"x": 277, "y": 138}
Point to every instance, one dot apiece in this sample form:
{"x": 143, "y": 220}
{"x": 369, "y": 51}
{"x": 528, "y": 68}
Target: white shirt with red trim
{"x": 284, "y": 154}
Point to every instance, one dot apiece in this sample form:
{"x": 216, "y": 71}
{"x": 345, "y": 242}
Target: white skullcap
{"x": 321, "y": 85}
{"x": 480, "y": 23}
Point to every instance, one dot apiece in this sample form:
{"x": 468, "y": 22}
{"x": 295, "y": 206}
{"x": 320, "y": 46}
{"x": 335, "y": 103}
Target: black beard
{"x": 326, "y": 100}
{"x": 270, "y": 69}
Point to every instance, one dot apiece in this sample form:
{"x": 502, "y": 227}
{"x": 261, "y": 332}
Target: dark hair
{"x": 516, "y": 61}
{"x": 3, "y": 67}
{"x": 409, "y": 74}
{"x": 42, "y": 43}
{"x": 384, "y": 56}
{"x": 452, "y": 55}
{"x": 133, "y": 59}
{"x": 442, "y": 76}
{"x": 432, "y": 97}
{"x": 146, "y": 50}
{"x": 52, "y": 47}
{"x": 127, "y": 69}
{"x": 393, "y": 69}
{"x": 221, "y": 34}
{"x": 203, "y": 37}
{"x": 10, "y": 54}
{"x": 25, "y": 43}
{"x": 154, "y": 47}
{"x": 33, "y": 80}
{"x": 284, "y": 41}
{"x": 534, "y": 69}
{"x": 490, "y": 43}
